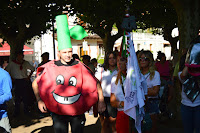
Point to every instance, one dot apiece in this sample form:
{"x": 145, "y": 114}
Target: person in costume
{"x": 190, "y": 79}
{"x": 66, "y": 87}
{"x": 152, "y": 77}
{"x": 5, "y": 95}
{"x": 21, "y": 82}
{"x": 108, "y": 118}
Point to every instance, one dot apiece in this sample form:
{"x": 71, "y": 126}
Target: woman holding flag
{"x": 128, "y": 89}
{"x": 118, "y": 95}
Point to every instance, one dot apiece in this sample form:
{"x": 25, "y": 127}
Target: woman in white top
{"x": 108, "y": 117}
{"x": 147, "y": 68}
{"x": 117, "y": 97}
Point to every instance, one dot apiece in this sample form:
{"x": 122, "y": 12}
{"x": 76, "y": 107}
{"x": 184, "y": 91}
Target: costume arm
{"x": 41, "y": 104}
{"x": 6, "y": 86}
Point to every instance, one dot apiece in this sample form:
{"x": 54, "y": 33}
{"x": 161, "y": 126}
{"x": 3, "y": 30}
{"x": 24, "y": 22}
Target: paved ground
{"x": 35, "y": 124}
{"x": 24, "y": 124}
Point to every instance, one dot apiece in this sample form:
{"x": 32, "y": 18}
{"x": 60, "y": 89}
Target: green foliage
{"x": 154, "y": 13}
{"x": 20, "y": 20}
{"x": 100, "y": 16}
{"x": 152, "y": 16}
{"x": 100, "y": 61}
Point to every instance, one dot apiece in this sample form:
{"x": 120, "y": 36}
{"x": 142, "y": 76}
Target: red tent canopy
{"x": 5, "y": 50}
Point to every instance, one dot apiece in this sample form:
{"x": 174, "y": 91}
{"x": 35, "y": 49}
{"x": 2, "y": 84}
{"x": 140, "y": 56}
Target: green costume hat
{"x": 63, "y": 32}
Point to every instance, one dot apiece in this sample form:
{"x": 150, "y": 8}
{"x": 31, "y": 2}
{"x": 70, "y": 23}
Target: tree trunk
{"x": 15, "y": 46}
{"x": 108, "y": 42}
{"x": 167, "y": 36}
{"x": 188, "y": 13}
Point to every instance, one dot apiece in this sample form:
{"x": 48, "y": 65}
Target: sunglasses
{"x": 144, "y": 59}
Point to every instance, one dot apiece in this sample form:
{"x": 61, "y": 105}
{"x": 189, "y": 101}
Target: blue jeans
{"x": 190, "y": 118}
{"x": 151, "y": 106}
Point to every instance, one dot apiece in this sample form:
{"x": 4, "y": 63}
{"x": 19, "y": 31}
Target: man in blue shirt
{"x": 5, "y": 95}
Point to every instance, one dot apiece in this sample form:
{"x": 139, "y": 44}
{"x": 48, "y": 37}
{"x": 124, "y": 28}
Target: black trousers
{"x": 61, "y": 123}
{"x": 23, "y": 92}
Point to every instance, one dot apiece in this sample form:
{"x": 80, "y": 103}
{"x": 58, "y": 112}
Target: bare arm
{"x": 184, "y": 73}
{"x": 101, "y": 104}
{"x": 153, "y": 91}
{"x": 114, "y": 102}
{"x": 41, "y": 104}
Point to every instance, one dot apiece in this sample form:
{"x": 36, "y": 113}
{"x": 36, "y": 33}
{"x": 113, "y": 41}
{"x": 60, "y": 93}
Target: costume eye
{"x": 72, "y": 81}
{"x": 60, "y": 80}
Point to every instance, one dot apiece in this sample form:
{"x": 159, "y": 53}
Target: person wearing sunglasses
{"x": 146, "y": 64}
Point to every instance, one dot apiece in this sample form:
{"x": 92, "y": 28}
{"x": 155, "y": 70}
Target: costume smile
{"x": 66, "y": 100}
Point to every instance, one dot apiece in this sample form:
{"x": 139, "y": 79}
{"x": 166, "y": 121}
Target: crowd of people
{"x": 68, "y": 87}
{"x": 111, "y": 77}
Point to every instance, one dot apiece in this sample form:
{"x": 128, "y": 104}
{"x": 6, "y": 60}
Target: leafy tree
{"x": 158, "y": 15}
{"x": 100, "y": 16}
{"x": 188, "y": 12}
{"x": 22, "y": 19}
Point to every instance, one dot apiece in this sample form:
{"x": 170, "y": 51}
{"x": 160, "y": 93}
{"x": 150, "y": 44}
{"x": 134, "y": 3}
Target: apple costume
{"x": 67, "y": 89}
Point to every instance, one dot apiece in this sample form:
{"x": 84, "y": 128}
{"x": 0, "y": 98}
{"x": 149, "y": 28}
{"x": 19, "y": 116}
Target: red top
{"x": 163, "y": 69}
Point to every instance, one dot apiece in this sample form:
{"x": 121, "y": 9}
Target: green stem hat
{"x": 63, "y": 32}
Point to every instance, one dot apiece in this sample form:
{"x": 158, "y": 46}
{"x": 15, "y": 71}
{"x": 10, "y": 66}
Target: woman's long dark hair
{"x": 106, "y": 62}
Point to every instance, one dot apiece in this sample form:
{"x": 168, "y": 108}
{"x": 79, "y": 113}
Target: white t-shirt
{"x": 117, "y": 90}
{"x": 186, "y": 101}
{"x": 154, "y": 82}
{"x": 15, "y": 71}
{"x": 105, "y": 78}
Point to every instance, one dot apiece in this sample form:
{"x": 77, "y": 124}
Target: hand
{"x": 42, "y": 107}
{"x": 101, "y": 106}
{"x": 184, "y": 73}
{"x": 121, "y": 104}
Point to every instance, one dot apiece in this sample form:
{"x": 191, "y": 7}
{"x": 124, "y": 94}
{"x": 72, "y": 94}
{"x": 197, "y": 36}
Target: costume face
{"x": 67, "y": 90}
